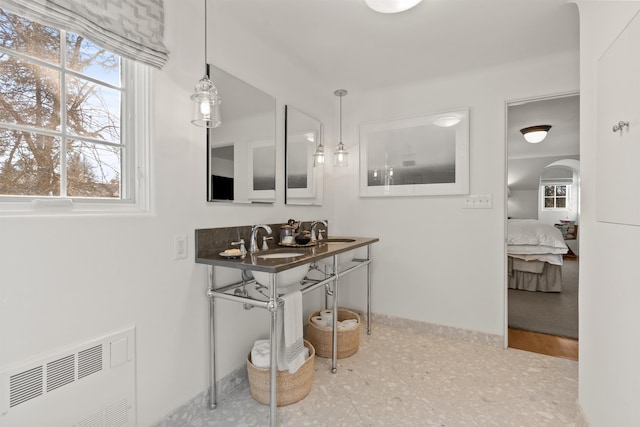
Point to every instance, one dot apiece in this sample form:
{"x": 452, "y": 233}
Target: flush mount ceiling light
{"x": 391, "y": 6}
{"x": 535, "y": 134}
{"x": 206, "y": 102}
{"x": 340, "y": 156}
{"x": 446, "y": 121}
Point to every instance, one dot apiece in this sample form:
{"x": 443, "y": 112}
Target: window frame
{"x": 136, "y": 127}
{"x": 543, "y": 196}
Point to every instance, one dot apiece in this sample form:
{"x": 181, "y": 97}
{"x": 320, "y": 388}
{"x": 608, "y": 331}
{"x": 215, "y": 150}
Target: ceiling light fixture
{"x": 318, "y": 156}
{"x": 391, "y": 6}
{"x": 535, "y": 134}
{"x": 340, "y": 156}
{"x": 206, "y": 102}
{"x": 446, "y": 121}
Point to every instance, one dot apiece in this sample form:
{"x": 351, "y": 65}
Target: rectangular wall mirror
{"x": 415, "y": 156}
{"x": 303, "y": 183}
{"x": 241, "y": 159}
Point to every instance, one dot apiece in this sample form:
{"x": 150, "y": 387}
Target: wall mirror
{"x": 242, "y": 151}
{"x": 415, "y": 156}
{"x": 303, "y": 183}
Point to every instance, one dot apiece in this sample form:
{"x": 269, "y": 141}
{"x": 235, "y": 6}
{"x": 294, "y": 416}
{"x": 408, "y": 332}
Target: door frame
{"x": 508, "y": 103}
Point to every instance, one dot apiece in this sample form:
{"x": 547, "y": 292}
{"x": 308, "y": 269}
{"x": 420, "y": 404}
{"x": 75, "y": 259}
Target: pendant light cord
{"x": 341, "y": 119}
{"x": 205, "y": 39}
{"x": 340, "y": 93}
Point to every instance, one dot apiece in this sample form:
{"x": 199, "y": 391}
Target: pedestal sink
{"x": 286, "y": 278}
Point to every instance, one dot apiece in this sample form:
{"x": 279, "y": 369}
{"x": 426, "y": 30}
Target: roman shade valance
{"x": 130, "y": 28}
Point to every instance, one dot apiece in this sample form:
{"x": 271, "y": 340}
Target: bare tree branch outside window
{"x": 60, "y": 113}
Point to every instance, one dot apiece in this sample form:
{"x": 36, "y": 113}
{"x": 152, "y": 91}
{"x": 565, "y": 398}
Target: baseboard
{"x": 461, "y": 334}
{"x": 582, "y": 420}
{"x": 188, "y": 411}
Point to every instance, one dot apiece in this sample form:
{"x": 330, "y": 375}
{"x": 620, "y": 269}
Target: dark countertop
{"x": 253, "y": 261}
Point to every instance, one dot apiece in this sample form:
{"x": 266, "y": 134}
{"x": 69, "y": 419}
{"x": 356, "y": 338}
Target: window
{"x": 556, "y": 197}
{"x": 65, "y": 115}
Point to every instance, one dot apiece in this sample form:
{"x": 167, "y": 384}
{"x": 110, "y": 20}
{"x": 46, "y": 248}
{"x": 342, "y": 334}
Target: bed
{"x": 534, "y": 254}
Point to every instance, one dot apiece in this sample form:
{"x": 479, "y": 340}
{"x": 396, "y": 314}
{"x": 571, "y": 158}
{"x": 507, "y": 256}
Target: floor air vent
{"x": 89, "y": 385}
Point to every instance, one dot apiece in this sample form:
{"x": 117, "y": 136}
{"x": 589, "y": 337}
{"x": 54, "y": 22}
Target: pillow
{"x": 535, "y": 233}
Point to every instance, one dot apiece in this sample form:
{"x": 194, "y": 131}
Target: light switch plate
{"x": 180, "y": 247}
{"x": 478, "y": 201}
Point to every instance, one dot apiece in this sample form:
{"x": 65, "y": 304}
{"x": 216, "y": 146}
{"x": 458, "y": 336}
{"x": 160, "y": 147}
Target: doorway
{"x": 543, "y": 196}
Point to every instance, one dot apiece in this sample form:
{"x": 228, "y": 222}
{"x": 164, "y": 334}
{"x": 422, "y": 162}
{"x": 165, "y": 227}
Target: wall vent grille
{"x": 93, "y": 382}
{"x": 89, "y": 361}
{"x": 25, "y": 386}
{"x": 61, "y": 372}
{"x": 94, "y": 420}
{"x": 116, "y": 415}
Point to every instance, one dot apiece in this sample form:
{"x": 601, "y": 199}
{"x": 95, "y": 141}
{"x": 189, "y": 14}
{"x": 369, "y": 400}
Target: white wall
{"x": 69, "y": 279}
{"x": 609, "y": 292}
{"x": 523, "y": 204}
{"x": 437, "y": 262}
{"x": 66, "y": 280}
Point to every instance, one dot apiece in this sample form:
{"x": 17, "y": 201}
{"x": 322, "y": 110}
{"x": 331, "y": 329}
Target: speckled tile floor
{"x": 403, "y": 378}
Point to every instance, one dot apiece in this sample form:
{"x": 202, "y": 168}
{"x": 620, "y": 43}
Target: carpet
{"x": 554, "y": 313}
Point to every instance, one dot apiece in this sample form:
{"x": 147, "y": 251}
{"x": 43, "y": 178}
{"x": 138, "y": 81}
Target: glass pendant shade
{"x": 205, "y": 98}
{"x": 206, "y": 104}
{"x": 341, "y": 156}
{"x": 318, "y": 157}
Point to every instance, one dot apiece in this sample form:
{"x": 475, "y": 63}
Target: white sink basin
{"x": 286, "y": 278}
{"x": 343, "y": 258}
{"x": 281, "y": 255}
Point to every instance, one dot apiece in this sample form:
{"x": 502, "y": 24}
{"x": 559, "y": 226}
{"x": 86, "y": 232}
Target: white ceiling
{"x": 563, "y": 139}
{"x": 344, "y": 44}
{"x": 527, "y": 161}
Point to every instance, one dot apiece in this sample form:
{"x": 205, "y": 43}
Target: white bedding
{"x": 555, "y": 259}
{"x": 531, "y": 237}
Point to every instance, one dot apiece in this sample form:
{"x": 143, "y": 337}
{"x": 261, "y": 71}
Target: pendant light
{"x": 318, "y": 156}
{"x": 535, "y": 134}
{"x": 206, "y": 102}
{"x": 340, "y": 156}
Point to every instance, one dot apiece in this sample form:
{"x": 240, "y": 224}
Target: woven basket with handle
{"x": 290, "y": 388}
{"x": 322, "y": 338}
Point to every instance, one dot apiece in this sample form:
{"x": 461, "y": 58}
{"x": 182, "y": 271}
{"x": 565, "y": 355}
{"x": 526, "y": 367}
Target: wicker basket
{"x": 290, "y": 388}
{"x": 322, "y": 338}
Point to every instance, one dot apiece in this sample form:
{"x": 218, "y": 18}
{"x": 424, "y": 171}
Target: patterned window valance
{"x": 130, "y": 28}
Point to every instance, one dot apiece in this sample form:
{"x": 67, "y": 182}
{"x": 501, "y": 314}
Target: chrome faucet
{"x": 313, "y": 232}
{"x": 243, "y": 250}
{"x": 253, "y": 240}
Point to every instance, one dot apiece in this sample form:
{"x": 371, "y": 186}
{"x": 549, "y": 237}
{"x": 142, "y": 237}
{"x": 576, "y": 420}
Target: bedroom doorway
{"x": 543, "y": 190}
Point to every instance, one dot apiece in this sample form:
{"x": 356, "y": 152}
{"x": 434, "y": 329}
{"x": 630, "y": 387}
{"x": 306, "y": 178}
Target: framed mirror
{"x": 416, "y": 156}
{"x": 303, "y": 182}
{"x": 241, "y": 163}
